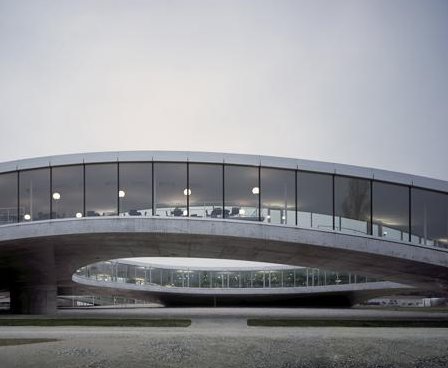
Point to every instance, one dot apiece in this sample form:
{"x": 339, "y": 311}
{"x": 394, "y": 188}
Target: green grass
{"x": 100, "y": 322}
{"x": 13, "y": 342}
{"x": 344, "y": 323}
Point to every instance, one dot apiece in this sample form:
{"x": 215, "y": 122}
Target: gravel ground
{"x": 228, "y": 345}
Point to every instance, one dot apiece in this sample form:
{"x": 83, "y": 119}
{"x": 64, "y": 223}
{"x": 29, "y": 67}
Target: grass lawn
{"x": 344, "y": 323}
{"x": 100, "y": 322}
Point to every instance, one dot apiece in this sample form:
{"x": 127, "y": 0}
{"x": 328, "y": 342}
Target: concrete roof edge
{"x": 229, "y": 158}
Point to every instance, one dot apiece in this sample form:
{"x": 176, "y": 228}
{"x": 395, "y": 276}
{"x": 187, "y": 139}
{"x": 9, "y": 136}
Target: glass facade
{"x": 117, "y": 271}
{"x": 278, "y": 196}
{"x": 429, "y": 217}
{"x": 390, "y": 211}
{"x": 67, "y": 193}
{"x": 352, "y": 205}
{"x": 101, "y": 189}
{"x": 135, "y": 191}
{"x": 34, "y": 195}
{"x": 314, "y": 200}
{"x": 170, "y": 189}
{"x": 8, "y": 198}
{"x": 206, "y": 191}
{"x": 241, "y": 193}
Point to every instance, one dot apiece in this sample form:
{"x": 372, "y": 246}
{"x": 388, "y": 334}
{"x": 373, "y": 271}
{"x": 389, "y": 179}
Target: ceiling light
{"x": 56, "y": 196}
{"x": 27, "y": 217}
{"x": 187, "y": 191}
{"x": 121, "y": 193}
{"x": 255, "y": 190}
{"x": 78, "y": 215}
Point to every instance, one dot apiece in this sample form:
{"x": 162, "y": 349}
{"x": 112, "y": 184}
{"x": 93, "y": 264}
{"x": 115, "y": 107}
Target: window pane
{"x": 241, "y": 192}
{"x": 34, "y": 195}
{"x": 390, "y": 211}
{"x": 101, "y": 190}
{"x": 315, "y": 200}
{"x": 429, "y": 217}
{"x": 67, "y": 191}
{"x": 352, "y": 205}
{"x": 206, "y": 190}
{"x": 278, "y": 198}
{"x": 170, "y": 189}
{"x": 275, "y": 278}
{"x": 135, "y": 191}
{"x": 8, "y": 198}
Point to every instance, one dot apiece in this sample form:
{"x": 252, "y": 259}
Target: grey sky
{"x": 358, "y": 82}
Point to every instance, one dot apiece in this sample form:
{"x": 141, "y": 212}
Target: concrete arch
{"x": 37, "y": 257}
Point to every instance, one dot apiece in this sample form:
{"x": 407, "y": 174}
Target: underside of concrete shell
{"x": 36, "y": 258}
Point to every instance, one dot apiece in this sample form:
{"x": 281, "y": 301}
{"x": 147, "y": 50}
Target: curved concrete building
{"x": 247, "y": 283}
{"x": 58, "y": 214}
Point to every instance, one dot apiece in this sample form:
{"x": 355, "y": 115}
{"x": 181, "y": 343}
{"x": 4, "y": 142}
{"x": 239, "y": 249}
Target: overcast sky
{"x": 358, "y": 82}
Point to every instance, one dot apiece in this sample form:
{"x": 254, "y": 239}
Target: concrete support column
{"x": 33, "y": 287}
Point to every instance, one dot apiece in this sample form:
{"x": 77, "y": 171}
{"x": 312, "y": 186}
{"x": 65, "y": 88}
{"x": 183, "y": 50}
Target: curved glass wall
{"x": 352, "y": 205}
{"x": 135, "y": 191}
{"x": 170, "y": 189}
{"x": 34, "y": 195}
{"x": 278, "y": 196}
{"x": 241, "y": 195}
{"x": 429, "y": 218}
{"x": 8, "y": 198}
{"x": 115, "y": 271}
{"x": 390, "y": 211}
{"x": 101, "y": 188}
{"x": 67, "y": 193}
{"x": 315, "y": 200}
{"x": 205, "y": 190}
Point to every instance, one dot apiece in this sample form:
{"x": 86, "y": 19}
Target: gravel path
{"x": 228, "y": 346}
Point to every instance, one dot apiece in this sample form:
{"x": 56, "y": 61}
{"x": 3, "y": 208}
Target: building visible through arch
{"x": 58, "y": 214}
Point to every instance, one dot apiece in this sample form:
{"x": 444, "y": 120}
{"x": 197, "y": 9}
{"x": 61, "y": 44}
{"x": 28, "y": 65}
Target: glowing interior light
{"x": 121, "y": 193}
{"x": 283, "y": 217}
{"x": 384, "y": 233}
{"x": 187, "y": 191}
{"x": 241, "y": 211}
{"x": 27, "y": 217}
{"x": 78, "y": 214}
{"x": 268, "y": 217}
{"x": 185, "y": 212}
{"x": 255, "y": 190}
{"x": 56, "y": 196}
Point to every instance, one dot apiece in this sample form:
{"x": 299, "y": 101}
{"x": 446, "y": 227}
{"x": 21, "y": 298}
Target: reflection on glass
{"x": 315, "y": 200}
{"x": 278, "y": 197}
{"x": 241, "y": 192}
{"x": 67, "y": 191}
{"x": 390, "y": 208}
{"x": 352, "y": 205}
{"x": 170, "y": 189}
{"x": 205, "y": 190}
{"x": 34, "y": 195}
{"x": 135, "y": 192}
{"x": 101, "y": 190}
{"x": 8, "y": 198}
{"x": 429, "y": 217}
